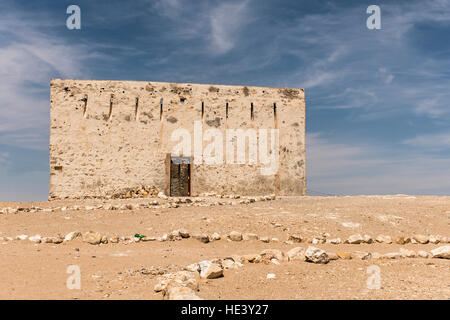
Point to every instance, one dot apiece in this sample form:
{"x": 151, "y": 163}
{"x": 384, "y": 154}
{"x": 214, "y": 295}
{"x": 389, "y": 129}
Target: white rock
{"x": 434, "y": 239}
{"x": 36, "y": 238}
{"x": 249, "y": 236}
{"x": 72, "y": 235}
{"x": 193, "y": 267}
{"x": 184, "y": 233}
{"x": 355, "y": 239}
{"x": 316, "y": 255}
{"x": 22, "y": 237}
{"x": 441, "y": 252}
{"x": 215, "y": 236}
{"x": 420, "y": 238}
{"x": 271, "y": 276}
{"x": 391, "y": 255}
{"x": 182, "y": 293}
{"x": 297, "y": 253}
{"x": 275, "y": 261}
{"x": 423, "y": 254}
{"x": 384, "y": 239}
{"x": 235, "y": 236}
{"x": 210, "y": 271}
{"x": 407, "y": 253}
{"x": 162, "y": 195}
{"x": 335, "y": 241}
{"x": 92, "y": 237}
{"x": 367, "y": 239}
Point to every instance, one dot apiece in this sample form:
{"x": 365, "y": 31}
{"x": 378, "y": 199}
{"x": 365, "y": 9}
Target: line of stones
{"x": 96, "y": 238}
{"x": 183, "y": 285}
{"x": 171, "y": 202}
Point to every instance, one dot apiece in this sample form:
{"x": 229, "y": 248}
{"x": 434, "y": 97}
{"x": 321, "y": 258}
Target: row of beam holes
{"x": 136, "y": 110}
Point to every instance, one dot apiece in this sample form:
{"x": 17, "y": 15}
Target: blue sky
{"x": 377, "y": 100}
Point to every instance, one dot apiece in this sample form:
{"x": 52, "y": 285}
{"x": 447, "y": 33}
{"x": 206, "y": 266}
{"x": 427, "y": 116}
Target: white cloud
{"x": 346, "y": 169}
{"x": 28, "y": 60}
{"x": 437, "y": 141}
{"x": 226, "y": 20}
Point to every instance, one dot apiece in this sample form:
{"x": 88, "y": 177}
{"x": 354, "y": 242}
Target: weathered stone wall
{"x": 107, "y": 136}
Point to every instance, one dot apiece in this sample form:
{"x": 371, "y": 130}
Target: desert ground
{"x": 249, "y": 248}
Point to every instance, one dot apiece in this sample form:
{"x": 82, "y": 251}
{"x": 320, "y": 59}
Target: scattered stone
{"x": 295, "y": 238}
{"x": 264, "y": 239}
{"x": 332, "y": 256}
{"x": 435, "y": 239}
{"x": 420, "y": 238}
{"x": 335, "y": 241}
{"x": 249, "y": 236}
{"x": 161, "y": 195}
{"x": 355, "y": 239}
{"x": 362, "y": 255}
{"x": 316, "y": 255}
{"x": 92, "y": 237}
{"x": 402, "y": 240}
{"x": 297, "y": 253}
{"x": 177, "y": 279}
{"x": 376, "y": 255}
{"x": 72, "y": 235}
{"x": 35, "y": 239}
{"x": 114, "y": 239}
{"x": 269, "y": 254}
{"x": 275, "y": 261}
{"x": 209, "y": 270}
{"x": 407, "y": 253}
{"x": 391, "y": 255}
{"x": 367, "y": 239}
{"x": 441, "y": 252}
{"x": 252, "y": 258}
{"x": 201, "y": 237}
{"x": 193, "y": 267}
{"x": 230, "y": 264}
{"x": 344, "y": 255}
{"x": 182, "y": 293}
{"x": 423, "y": 254}
{"x": 184, "y": 233}
{"x": 215, "y": 236}
{"x": 235, "y": 236}
{"x": 384, "y": 239}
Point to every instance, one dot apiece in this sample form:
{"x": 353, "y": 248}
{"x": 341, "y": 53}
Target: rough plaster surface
{"x": 106, "y": 136}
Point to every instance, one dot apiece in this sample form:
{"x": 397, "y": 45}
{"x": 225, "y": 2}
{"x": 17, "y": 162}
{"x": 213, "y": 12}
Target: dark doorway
{"x": 180, "y": 176}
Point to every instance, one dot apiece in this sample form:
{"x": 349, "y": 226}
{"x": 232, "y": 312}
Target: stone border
{"x": 183, "y": 285}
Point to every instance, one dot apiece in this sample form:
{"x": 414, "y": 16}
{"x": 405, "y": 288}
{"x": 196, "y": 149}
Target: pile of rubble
{"x": 137, "y": 192}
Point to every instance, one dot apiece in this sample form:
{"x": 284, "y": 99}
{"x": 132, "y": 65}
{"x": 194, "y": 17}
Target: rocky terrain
{"x": 227, "y": 247}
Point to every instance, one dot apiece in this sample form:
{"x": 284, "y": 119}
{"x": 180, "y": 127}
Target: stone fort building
{"x": 182, "y": 139}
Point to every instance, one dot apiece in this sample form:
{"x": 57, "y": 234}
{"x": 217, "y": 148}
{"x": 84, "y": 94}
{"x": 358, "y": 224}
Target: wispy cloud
{"x": 346, "y": 169}
{"x": 28, "y": 60}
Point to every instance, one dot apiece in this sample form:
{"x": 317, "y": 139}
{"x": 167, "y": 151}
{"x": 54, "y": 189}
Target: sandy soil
{"x": 130, "y": 270}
